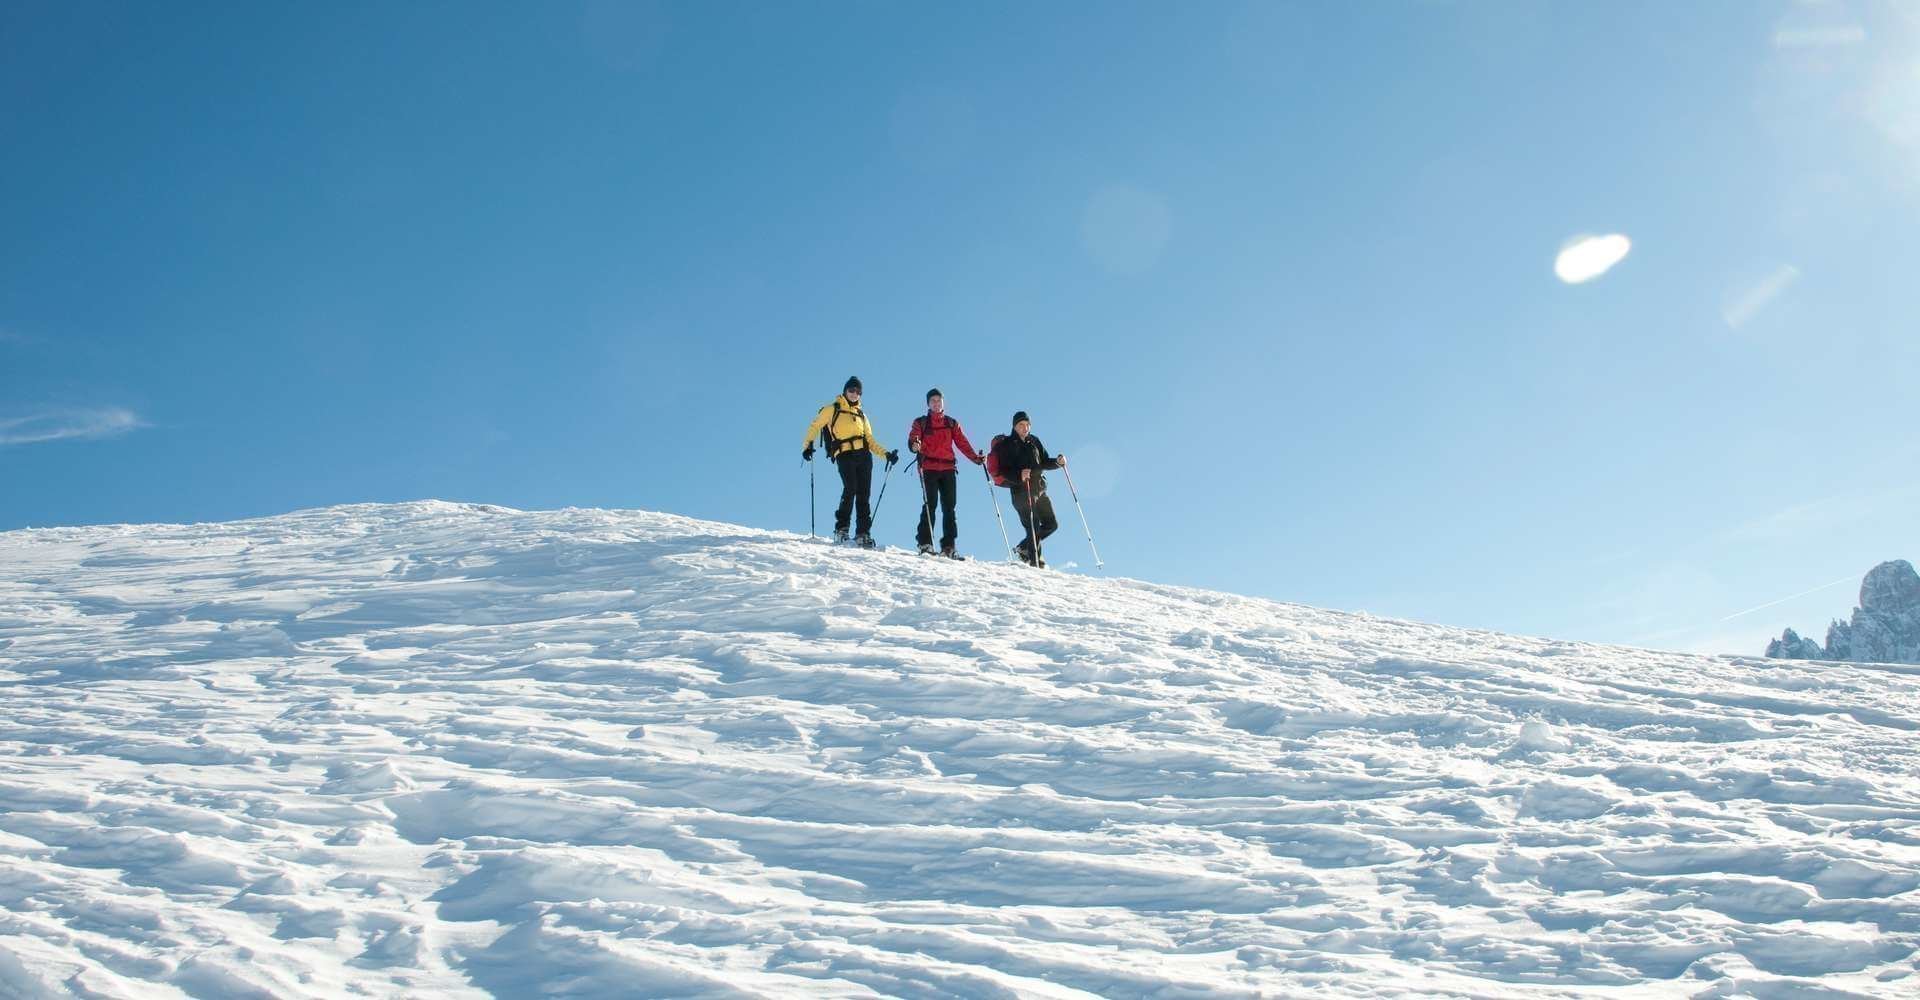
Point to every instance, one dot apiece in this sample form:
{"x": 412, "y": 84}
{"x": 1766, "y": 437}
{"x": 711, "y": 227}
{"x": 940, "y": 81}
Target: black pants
{"x": 938, "y": 490}
{"x": 856, "y": 482}
{"x": 1038, "y": 518}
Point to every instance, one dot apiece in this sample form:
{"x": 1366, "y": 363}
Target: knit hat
{"x": 934, "y": 392}
{"x": 1019, "y": 416}
{"x": 853, "y": 383}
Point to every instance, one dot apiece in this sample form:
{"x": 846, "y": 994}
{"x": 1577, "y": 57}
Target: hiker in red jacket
{"x": 934, "y": 437}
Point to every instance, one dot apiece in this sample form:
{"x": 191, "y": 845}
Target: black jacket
{"x": 1015, "y": 454}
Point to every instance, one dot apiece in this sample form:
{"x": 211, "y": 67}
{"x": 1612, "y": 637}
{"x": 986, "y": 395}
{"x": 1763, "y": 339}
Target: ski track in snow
{"x": 436, "y": 749}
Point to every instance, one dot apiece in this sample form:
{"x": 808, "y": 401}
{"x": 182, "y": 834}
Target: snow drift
{"x": 444, "y": 750}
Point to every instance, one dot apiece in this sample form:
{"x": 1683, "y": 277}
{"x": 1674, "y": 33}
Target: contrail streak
{"x": 1784, "y": 600}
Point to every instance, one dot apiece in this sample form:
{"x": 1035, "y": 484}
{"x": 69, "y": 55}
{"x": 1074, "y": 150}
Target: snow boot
{"x": 950, "y": 554}
{"x": 839, "y": 534}
{"x": 926, "y": 550}
{"x": 864, "y": 541}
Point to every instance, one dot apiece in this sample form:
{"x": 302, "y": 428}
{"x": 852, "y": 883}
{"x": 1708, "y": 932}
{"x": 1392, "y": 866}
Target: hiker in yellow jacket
{"x": 848, "y": 435}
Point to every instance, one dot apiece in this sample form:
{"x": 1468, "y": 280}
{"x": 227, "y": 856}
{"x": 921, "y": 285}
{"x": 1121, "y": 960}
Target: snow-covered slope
{"x": 440, "y": 750}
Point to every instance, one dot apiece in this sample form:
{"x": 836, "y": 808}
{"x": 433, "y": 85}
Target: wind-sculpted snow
{"x": 439, "y": 750}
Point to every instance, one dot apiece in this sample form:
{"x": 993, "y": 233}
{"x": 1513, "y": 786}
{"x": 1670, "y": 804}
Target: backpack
{"x": 993, "y": 461}
{"x": 827, "y": 440}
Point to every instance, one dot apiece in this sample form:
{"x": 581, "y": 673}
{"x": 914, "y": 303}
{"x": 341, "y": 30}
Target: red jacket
{"x": 935, "y": 437}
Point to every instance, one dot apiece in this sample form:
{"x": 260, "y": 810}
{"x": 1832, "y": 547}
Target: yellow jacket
{"x": 849, "y": 427}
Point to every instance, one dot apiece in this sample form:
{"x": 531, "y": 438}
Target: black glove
{"x": 806, "y": 454}
{"x": 892, "y": 457}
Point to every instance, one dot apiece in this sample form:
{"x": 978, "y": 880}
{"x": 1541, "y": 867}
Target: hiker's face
{"x": 1023, "y": 427}
{"x": 936, "y": 405}
{"x": 853, "y": 395}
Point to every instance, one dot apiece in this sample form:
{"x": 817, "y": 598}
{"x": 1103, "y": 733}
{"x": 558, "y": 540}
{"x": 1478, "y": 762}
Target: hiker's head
{"x": 936, "y": 403}
{"x": 1021, "y": 425}
{"x": 852, "y": 388}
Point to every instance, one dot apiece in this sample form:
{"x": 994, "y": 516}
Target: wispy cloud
{"x": 1748, "y": 302}
{"x": 1892, "y": 104}
{"x": 1818, "y": 36}
{"x": 1821, "y": 515}
{"x": 1585, "y": 258}
{"x": 1649, "y": 608}
{"x": 68, "y": 425}
{"x": 1789, "y": 597}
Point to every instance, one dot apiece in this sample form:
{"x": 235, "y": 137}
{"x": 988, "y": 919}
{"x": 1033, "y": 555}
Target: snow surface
{"x": 445, "y": 750}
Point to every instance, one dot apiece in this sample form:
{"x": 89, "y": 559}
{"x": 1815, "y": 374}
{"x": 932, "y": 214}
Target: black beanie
{"x": 934, "y": 392}
{"x": 1019, "y": 416}
{"x": 853, "y": 382}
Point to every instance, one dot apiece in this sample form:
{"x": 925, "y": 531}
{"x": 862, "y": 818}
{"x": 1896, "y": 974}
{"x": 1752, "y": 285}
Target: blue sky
{"x": 1280, "y": 279}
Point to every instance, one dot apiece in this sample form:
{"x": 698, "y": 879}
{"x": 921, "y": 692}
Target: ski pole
{"x": 1033, "y": 524}
{"x": 926, "y": 501}
{"x": 812, "y": 530}
{"x": 926, "y": 505}
{"x": 995, "y": 497}
{"x": 882, "y": 498}
{"x": 1083, "y": 518}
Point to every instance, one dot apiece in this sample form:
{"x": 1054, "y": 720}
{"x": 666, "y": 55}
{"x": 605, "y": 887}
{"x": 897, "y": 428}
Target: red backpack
{"x": 993, "y": 460}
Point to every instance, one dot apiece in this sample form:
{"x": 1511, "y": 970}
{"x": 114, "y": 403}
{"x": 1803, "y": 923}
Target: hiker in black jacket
{"x": 1021, "y": 460}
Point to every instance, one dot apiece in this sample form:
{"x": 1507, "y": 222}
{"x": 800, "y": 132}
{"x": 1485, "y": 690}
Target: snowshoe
{"x": 864, "y": 541}
{"x": 950, "y": 554}
{"x": 926, "y": 550}
{"x": 839, "y": 534}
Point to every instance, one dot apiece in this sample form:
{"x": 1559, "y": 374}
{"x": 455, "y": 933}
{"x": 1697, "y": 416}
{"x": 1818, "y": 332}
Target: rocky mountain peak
{"x": 1885, "y": 628}
{"x": 1891, "y": 587}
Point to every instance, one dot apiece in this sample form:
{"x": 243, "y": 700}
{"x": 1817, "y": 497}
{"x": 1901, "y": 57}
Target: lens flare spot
{"x": 1585, "y": 258}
